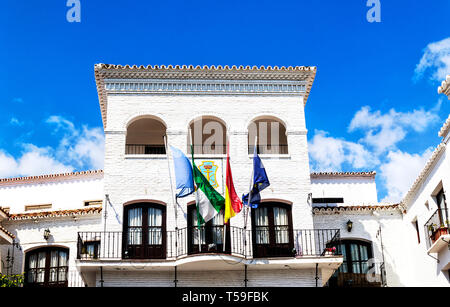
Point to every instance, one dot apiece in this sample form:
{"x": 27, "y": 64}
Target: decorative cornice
{"x": 445, "y": 128}
{"x": 370, "y": 174}
{"x": 51, "y": 177}
{"x": 56, "y": 213}
{"x": 368, "y": 208}
{"x": 414, "y": 188}
{"x": 445, "y": 87}
{"x": 201, "y": 80}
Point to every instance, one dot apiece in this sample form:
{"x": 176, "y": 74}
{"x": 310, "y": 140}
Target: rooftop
{"x": 203, "y": 73}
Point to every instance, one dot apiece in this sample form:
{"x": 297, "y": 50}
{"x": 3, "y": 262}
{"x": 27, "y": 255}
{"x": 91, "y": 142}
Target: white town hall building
{"x": 121, "y": 226}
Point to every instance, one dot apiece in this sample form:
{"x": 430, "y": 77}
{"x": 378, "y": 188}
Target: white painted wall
{"x": 69, "y": 193}
{"x": 356, "y": 191}
{"x": 131, "y": 178}
{"x": 427, "y": 271}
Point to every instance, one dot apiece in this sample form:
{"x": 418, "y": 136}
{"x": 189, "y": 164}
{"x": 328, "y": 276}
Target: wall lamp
{"x": 46, "y": 234}
{"x": 349, "y": 226}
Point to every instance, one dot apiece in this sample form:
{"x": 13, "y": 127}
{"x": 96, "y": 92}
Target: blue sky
{"x": 372, "y": 105}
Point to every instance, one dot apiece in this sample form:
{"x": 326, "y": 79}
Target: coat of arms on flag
{"x": 209, "y": 170}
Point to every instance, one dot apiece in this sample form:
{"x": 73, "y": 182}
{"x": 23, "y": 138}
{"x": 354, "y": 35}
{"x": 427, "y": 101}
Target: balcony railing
{"x": 144, "y": 149}
{"x": 188, "y": 241}
{"x": 374, "y": 277}
{"x": 436, "y": 226}
{"x": 281, "y": 149}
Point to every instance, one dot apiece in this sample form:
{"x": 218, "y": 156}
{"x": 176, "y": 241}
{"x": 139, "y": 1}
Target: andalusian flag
{"x": 233, "y": 204}
{"x": 209, "y": 201}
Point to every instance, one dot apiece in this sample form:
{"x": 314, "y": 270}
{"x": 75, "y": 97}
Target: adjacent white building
{"x": 121, "y": 226}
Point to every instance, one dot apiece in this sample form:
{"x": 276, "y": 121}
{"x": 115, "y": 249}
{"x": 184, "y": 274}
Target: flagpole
{"x": 251, "y": 188}
{"x": 196, "y": 193}
{"x": 225, "y": 224}
{"x": 170, "y": 178}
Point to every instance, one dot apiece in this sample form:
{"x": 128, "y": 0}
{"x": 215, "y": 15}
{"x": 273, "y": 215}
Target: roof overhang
{"x": 184, "y": 79}
{"x": 445, "y": 87}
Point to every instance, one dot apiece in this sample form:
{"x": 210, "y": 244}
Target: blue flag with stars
{"x": 260, "y": 182}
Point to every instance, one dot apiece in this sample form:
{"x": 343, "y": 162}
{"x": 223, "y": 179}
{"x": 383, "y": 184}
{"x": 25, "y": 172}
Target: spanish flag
{"x": 233, "y": 204}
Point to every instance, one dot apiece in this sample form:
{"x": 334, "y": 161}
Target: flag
{"x": 209, "y": 201}
{"x": 183, "y": 173}
{"x": 260, "y": 182}
{"x": 233, "y": 204}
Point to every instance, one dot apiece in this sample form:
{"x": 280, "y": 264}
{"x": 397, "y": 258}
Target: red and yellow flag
{"x": 233, "y": 204}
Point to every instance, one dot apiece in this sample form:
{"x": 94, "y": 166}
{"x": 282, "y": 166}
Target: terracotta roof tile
{"x": 3, "y": 229}
{"x": 445, "y": 87}
{"x": 55, "y": 213}
{"x": 370, "y": 174}
{"x": 355, "y": 208}
{"x": 7, "y": 181}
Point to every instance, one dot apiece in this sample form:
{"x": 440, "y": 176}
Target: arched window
{"x": 46, "y": 267}
{"x": 145, "y": 136}
{"x": 272, "y": 138}
{"x": 211, "y": 234}
{"x": 355, "y": 266}
{"x": 272, "y": 230}
{"x": 209, "y": 135}
{"x": 144, "y": 233}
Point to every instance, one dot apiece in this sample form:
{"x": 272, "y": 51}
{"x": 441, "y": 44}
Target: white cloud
{"x": 400, "y": 171}
{"x": 377, "y": 149}
{"x": 436, "y": 59}
{"x": 384, "y": 131}
{"x": 78, "y": 149}
{"x": 15, "y": 122}
{"x": 329, "y": 154}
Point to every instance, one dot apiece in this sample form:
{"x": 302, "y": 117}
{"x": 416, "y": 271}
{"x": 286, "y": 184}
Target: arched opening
{"x": 272, "y": 230}
{"x": 144, "y": 231}
{"x": 357, "y": 261}
{"x": 272, "y": 138}
{"x": 209, "y": 135}
{"x": 46, "y": 267}
{"x": 145, "y": 136}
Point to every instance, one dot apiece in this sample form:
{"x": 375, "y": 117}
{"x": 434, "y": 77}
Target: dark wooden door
{"x": 272, "y": 231}
{"x": 144, "y": 231}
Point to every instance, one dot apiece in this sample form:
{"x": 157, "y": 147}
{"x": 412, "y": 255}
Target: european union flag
{"x": 260, "y": 182}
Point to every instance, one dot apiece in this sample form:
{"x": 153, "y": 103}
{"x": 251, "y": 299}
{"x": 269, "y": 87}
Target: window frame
{"x": 208, "y": 232}
{"x": 47, "y": 268}
{"x": 272, "y": 248}
{"x": 144, "y": 250}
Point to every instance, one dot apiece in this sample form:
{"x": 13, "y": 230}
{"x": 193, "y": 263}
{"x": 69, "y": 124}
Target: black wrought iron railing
{"x": 373, "y": 276}
{"x": 193, "y": 240}
{"x": 213, "y": 149}
{"x": 436, "y": 226}
{"x": 281, "y": 149}
{"x": 144, "y": 149}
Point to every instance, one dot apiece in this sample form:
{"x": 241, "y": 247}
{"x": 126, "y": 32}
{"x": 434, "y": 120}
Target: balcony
{"x": 144, "y": 149}
{"x": 437, "y": 230}
{"x": 375, "y": 276}
{"x": 192, "y": 241}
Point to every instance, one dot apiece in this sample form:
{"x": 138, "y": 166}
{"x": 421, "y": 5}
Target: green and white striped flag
{"x": 209, "y": 201}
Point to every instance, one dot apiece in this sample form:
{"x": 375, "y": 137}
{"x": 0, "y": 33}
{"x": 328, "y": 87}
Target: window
{"x": 145, "y": 231}
{"x": 210, "y": 235}
{"x": 272, "y": 230}
{"x": 209, "y": 135}
{"x": 145, "y": 136}
{"x": 93, "y": 203}
{"x": 355, "y": 266}
{"x": 46, "y": 267}
{"x": 272, "y": 137}
{"x": 38, "y": 207}
{"x": 328, "y": 200}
